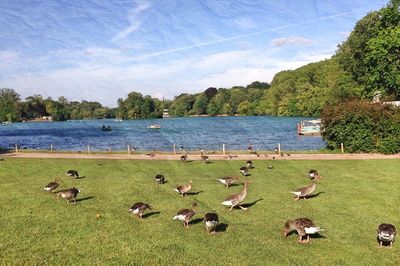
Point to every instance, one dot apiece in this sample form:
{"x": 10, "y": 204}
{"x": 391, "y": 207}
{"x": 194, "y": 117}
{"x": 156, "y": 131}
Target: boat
{"x": 6, "y": 123}
{"x": 155, "y": 126}
{"x": 166, "y": 114}
{"x": 118, "y": 119}
{"x": 309, "y": 127}
{"x": 104, "y": 128}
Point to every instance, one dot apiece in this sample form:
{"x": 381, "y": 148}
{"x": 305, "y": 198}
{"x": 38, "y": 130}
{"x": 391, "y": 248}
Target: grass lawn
{"x": 352, "y": 200}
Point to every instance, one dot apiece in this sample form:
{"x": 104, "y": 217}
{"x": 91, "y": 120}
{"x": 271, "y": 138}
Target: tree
{"x": 9, "y": 101}
{"x": 244, "y": 108}
{"x": 200, "y": 105}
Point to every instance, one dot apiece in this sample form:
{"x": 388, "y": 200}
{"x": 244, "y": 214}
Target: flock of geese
{"x": 303, "y": 226}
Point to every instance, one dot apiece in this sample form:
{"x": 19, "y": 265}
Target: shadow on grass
{"x": 317, "y": 235}
{"x": 196, "y": 221}
{"x": 5, "y": 151}
{"x": 165, "y": 182}
{"x": 81, "y": 177}
{"x": 193, "y": 193}
{"x": 150, "y": 214}
{"x": 221, "y": 228}
{"x": 248, "y": 205}
{"x": 315, "y": 195}
{"x": 86, "y": 198}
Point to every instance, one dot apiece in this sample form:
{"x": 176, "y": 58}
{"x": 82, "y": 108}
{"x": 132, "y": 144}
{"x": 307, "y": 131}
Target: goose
{"x": 205, "y": 158}
{"x": 151, "y": 154}
{"x": 306, "y": 191}
{"x": 211, "y": 220}
{"x": 244, "y": 171}
{"x": 184, "y": 158}
{"x": 313, "y": 174}
{"x": 303, "y": 226}
{"x": 236, "y": 199}
{"x": 139, "y": 208}
{"x": 386, "y": 233}
{"x": 69, "y": 194}
{"x": 184, "y": 189}
{"x": 249, "y": 164}
{"x": 185, "y": 215}
{"x": 73, "y": 173}
{"x": 160, "y": 179}
{"x": 52, "y": 185}
{"x": 228, "y": 180}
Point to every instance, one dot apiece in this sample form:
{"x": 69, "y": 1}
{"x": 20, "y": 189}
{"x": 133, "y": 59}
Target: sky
{"x": 102, "y": 50}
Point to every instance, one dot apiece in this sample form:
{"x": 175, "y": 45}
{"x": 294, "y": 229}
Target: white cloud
{"x": 134, "y": 22}
{"x": 292, "y": 40}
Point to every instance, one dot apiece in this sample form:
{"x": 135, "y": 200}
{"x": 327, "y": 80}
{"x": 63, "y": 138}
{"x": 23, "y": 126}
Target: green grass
{"x": 354, "y": 198}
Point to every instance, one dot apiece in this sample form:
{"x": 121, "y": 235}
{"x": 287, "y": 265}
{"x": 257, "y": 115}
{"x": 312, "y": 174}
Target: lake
{"x": 192, "y": 133}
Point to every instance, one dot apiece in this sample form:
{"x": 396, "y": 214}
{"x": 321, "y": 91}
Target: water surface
{"x": 192, "y": 133}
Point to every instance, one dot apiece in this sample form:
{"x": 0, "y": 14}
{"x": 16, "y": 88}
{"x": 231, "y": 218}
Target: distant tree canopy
{"x": 12, "y": 109}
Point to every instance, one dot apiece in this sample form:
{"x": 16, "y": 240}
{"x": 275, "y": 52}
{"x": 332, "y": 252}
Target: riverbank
{"x": 196, "y": 157}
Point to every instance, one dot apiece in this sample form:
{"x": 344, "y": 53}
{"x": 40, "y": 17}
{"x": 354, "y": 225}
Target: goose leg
{"x": 308, "y": 239}
{"x": 296, "y": 199}
{"x": 300, "y": 239}
{"x": 391, "y": 244}
{"x": 380, "y": 243}
{"x": 231, "y": 208}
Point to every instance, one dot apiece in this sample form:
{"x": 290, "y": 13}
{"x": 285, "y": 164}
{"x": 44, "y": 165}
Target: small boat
{"x": 104, "y": 128}
{"x": 166, "y": 114}
{"x": 155, "y": 126}
{"x": 118, "y": 119}
{"x": 309, "y": 127}
{"x": 6, "y": 123}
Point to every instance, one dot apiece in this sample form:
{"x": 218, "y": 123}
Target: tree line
{"x": 13, "y": 109}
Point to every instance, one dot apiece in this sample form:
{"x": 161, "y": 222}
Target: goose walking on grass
{"x": 160, "y": 179}
{"x": 204, "y": 158}
{"x": 386, "y": 233}
{"x": 139, "y": 208}
{"x": 69, "y": 194}
{"x": 303, "y": 226}
{"x": 184, "y": 189}
{"x": 236, "y": 199}
{"x": 304, "y": 192}
{"x": 184, "y": 158}
{"x": 73, "y": 173}
{"x": 244, "y": 171}
{"x": 211, "y": 220}
{"x": 228, "y": 180}
{"x": 185, "y": 215}
{"x": 52, "y": 185}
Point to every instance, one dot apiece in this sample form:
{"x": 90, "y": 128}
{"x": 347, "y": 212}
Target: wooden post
{"x": 129, "y": 149}
{"x": 342, "y": 147}
{"x": 51, "y": 148}
{"x": 88, "y": 149}
{"x": 16, "y": 148}
{"x": 223, "y": 149}
{"x": 279, "y": 148}
{"x": 174, "y": 148}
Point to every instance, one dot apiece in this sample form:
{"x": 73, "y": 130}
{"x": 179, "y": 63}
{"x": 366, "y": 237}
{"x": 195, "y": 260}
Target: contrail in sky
{"x": 219, "y": 41}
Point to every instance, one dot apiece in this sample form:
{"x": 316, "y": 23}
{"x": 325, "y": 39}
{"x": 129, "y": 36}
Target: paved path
{"x": 361, "y": 156}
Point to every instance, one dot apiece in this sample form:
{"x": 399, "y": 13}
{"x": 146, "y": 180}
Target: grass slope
{"x": 353, "y": 198}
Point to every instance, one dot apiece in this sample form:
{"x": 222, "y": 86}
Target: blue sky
{"x": 102, "y": 50}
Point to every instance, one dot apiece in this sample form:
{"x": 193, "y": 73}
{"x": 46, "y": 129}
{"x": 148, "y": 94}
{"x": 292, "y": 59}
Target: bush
{"x": 362, "y": 127}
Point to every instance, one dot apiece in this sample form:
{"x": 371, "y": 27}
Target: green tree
{"x": 9, "y": 102}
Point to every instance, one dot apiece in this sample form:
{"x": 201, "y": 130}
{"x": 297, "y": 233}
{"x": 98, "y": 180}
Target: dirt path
{"x": 362, "y": 156}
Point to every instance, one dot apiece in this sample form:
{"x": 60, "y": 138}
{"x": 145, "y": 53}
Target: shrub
{"x": 362, "y": 127}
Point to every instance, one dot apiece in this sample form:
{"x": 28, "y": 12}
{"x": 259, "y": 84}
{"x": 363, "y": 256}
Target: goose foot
{"x": 243, "y": 208}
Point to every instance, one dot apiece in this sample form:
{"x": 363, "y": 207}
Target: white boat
{"x": 155, "y": 126}
{"x": 309, "y": 127}
{"x": 6, "y": 123}
{"x": 118, "y": 119}
{"x": 165, "y": 114}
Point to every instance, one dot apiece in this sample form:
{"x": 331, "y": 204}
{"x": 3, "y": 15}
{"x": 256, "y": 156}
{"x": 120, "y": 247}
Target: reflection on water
{"x": 193, "y": 133}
